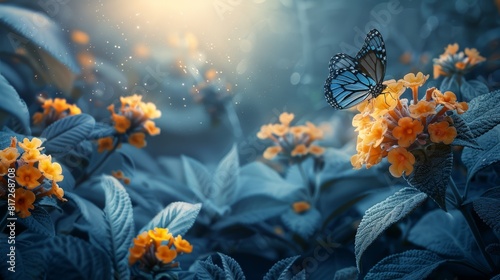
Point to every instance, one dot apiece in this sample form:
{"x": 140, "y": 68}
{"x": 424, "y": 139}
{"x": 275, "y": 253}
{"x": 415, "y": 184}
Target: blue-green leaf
{"x": 409, "y": 265}
{"x": 119, "y": 224}
{"x": 487, "y": 208}
{"x": 13, "y": 105}
{"x": 475, "y": 160}
{"x": 40, "y": 30}
{"x": 384, "y": 214}
{"x": 231, "y": 268}
{"x": 252, "y": 210}
{"x": 300, "y": 276}
{"x": 348, "y": 273}
{"x": 177, "y": 217}
{"x": 198, "y": 178}
{"x": 102, "y": 130}
{"x": 207, "y": 270}
{"x": 483, "y": 113}
{"x": 39, "y": 222}
{"x": 432, "y": 170}
{"x": 497, "y": 277}
{"x": 443, "y": 233}
{"x": 225, "y": 181}
{"x": 450, "y": 83}
{"x": 67, "y": 257}
{"x": 65, "y": 134}
{"x": 281, "y": 269}
{"x": 464, "y": 135}
{"x": 471, "y": 89}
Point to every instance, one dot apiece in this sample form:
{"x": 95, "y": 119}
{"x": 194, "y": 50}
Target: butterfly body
{"x": 354, "y": 80}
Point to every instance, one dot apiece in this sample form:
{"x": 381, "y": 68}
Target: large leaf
{"x": 450, "y": 83}
{"x": 43, "y": 44}
{"x": 198, "y": 178}
{"x": 39, "y": 222}
{"x": 409, "y": 265}
{"x": 432, "y": 170}
{"x": 444, "y": 234}
{"x": 471, "y": 89}
{"x": 483, "y": 113}
{"x": 384, "y": 214}
{"x": 252, "y": 210}
{"x": 177, "y": 217}
{"x": 67, "y": 257}
{"x": 487, "y": 207}
{"x": 303, "y": 224}
{"x": 464, "y": 135}
{"x": 119, "y": 225}
{"x": 231, "y": 268}
{"x": 281, "y": 270}
{"x": 207, "y": 270}
{"x": 13, "y": 105}
{"x": 475, "y": 160}
{"x": 225, "y": 181}
{"x": 65, "y": 134}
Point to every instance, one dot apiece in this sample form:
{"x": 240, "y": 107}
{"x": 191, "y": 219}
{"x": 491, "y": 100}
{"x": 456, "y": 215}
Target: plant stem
{"x": 110, "y": 152}
{"x": 470, "y": 222}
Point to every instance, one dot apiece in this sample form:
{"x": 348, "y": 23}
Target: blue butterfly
{"x": 353, "y": 80}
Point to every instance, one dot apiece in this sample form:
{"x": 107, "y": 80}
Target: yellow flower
{"x": 375, "y": 134}
{"x": 159, "y": 235}
{"x": 448, "y": 99}
{"x": 149, "y": 110}
{"x": 272, "y": 152}
{"x": 473, "y": 56}
{"x": 38, "y": 118}
{"x": 461, "y": 107}
{"x": 151, "y": 128}
{"x": 316, "y": 150}
{"x": 411, "y": 80}
{"x": 314, "y": 132}
{"x": 299, "y": 150}
{"x": 137, "y": 140}
{"x": 131, "y": 101}
{"x": 135, "y": 254}
{"x": 4, "y": 169}
{"x": 279, "y": 129}
{"x": 301, "y": 206}
{"x": 438, "y": 71}
{"x": 182, "y": 245}
{"x": 47, "y": 104}
{"x": 451, "y": 49}
{"x": 60, "y": 105}
{"x": 406, "y": 131}
{"x": 122, "y": 123}
{"x": 8, "y": 155}
{"x": 299, "y": 130}
{"x": 142, "y": 240}
{"x": 401, "y": 162}
{"x": 422, "y": 109}
{"x": 24, "y": 202}
{"x": 74, "y": 110}
{"x": 32, "y": 156}
{"x": 286, "y": 118}
{"x": 57, "y": 191}
{"x": 28, "y": 176}
{"x": 460, "y": 65}
{"x": 165, "y": 254}
{"x": 442, "y": 132}
{"x": 35, "y": 143}
{"x": 265, "y": 132}
{"x": 51, "y": 170}
{"x": 105, "y": 144}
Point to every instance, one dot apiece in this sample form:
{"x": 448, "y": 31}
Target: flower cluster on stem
{"x": 454, "y": 62}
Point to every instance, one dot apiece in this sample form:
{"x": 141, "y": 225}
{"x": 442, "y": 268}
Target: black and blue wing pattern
{"x": 353, "y": 80}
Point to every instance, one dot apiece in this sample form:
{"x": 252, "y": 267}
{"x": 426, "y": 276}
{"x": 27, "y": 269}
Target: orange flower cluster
{"x": 133, "y": 120}
{"x": 294, "y": 142}
{"x": 392, "y": 127}
{"x": 454, "y": 62}
{"x": 120, "y": 176}
{"x": 32, "y": 171}
{"x": 53, "y": 110}
{"x": 158, "y": 248}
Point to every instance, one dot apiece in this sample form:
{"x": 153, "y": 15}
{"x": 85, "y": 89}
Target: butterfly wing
{"x": 345, "y": 88}
{"x": 372, "y": 58}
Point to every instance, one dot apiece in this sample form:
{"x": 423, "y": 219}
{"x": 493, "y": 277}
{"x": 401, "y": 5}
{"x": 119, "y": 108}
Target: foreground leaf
{"x": 464, "y": 135}
{"x": 409, "y": 265}
{"x": 487, "y": 207}
{"x": 281, "y": 269}
{"x": 65, "y": 134}
{"x": 13, "y": 105}
{"x": 178, "y": 217}
{"x": 120, "y": 225}
{"x": 231, "y": 268}
{"x": 483, "y": 113}
{"x": 475, "y": 160}
{"x": 384, "y": 214}
{"x": 432, "y": 170}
